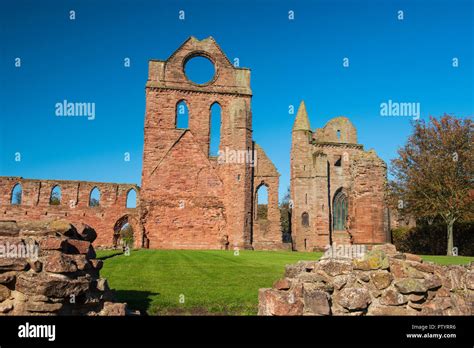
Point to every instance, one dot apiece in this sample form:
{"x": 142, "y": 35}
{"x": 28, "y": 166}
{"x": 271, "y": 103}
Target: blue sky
{"x": 291, "y": 60}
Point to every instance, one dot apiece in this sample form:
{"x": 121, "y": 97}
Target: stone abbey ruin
{"x": 189, "y": 199}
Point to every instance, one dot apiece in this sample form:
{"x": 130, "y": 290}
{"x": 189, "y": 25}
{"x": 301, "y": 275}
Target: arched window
{"x": 123, "y": 233}
{"x": 261, "y": 213}
{"x": 182, "y": 115}
{"x": 17, "y": 193}
{"x": 132, "y": 198}
{"x": 215, "y": 129}
{"x": 94, "y": 197}
{"x": 339, "y": 211}
{"x": 305, "y": 219}
{"x": 55, "y": 197}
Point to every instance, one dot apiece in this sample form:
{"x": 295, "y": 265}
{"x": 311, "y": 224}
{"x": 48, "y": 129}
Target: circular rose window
{"x": 199, "y": 70}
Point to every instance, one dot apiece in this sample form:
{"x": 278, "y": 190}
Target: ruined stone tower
{"x": 188, "y": 200}
{"x": 336, "y": 187}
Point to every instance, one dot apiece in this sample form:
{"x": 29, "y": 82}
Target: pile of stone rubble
{"x": 50, "y": 268}
{"x": 382, "y": 282}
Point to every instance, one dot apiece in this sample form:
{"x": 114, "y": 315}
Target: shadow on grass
{"x": 116, "y": 253}
{"x": 136, "y": 300}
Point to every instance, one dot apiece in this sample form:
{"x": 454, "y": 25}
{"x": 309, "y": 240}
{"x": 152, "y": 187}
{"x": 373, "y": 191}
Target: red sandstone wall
{"x": 368, "y": 223}
{"x": 74, "y": 205}
{"x": 187, "y": 200}
{"x": 267, "y": 234}
{"x": 315, "y": 179}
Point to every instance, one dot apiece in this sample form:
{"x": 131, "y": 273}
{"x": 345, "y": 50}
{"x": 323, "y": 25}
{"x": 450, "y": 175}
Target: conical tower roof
{"x": 302, "y": 121}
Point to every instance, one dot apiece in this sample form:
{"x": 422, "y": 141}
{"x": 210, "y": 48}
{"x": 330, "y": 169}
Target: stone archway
{"x": 126, "y": 232}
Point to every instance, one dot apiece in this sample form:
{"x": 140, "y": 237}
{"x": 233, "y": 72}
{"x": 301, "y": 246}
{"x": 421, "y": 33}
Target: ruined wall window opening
{"x": 182, "y": 115}
{"x": 261, "y": 199}
{"x": 17, "y": 194}
{"x": 131, "y": 199}
{"x": 305, "y": 198}
{"x": 215, "y": 124}
{"x": 340, "y": 211}
{"x": 338, "y": 162}
{"x": 123, "y": 233}
{"x": 338, "y": 134}
{"x": 94, "y": 197}
{"x": 199, "y": 69}
{"x": 305, "y": 219}
{"x": 55, "y": 196}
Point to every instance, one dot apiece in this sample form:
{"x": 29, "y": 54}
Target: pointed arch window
{"x": 182, "y": 115}
{"x": 55, "y": 196}
{"x": 131, "y": 198}
{"x": 340, "y": 211}
{"x": 215, "y": 129}
{"x": 94, "y": 197}
{"x": 17, "y": 194}
{"x": 261, "y": 198}
{"x": 305, "y": 219}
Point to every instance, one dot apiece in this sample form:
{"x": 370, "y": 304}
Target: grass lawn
{"x": 202, "y": 282}
{"x": 448, "y": 260}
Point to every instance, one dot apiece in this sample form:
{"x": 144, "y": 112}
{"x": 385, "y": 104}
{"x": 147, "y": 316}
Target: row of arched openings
{"x": 339, "y": 216}
{"x": 55, "y": 196}
{"x": 182, "y": 122}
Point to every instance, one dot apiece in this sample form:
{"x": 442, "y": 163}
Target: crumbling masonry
{"x": 337, "y": 188}
{"x": 190, "y": 199}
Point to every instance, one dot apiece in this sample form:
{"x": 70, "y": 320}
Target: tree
{"x": 94, "y": 202}
{"x": 433, "y": 175}
{"x": 285, "y": 217}
{"x": 55, "y": 199}
{"x": 126, "y": 234}
{"x": 262, "y": 211}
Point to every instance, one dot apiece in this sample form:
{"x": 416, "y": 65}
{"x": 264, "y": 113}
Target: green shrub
{"x": 432, "y": 239}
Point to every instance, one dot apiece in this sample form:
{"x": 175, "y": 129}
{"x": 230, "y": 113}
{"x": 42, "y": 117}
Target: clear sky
{"x": 82, "y": 60}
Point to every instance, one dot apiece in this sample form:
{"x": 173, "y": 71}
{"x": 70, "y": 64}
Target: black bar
{"x": 217, "y": 330}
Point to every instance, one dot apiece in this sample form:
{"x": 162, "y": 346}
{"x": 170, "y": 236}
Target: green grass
{"x": 448, "y": 260}
{"x": 212, "y": 282}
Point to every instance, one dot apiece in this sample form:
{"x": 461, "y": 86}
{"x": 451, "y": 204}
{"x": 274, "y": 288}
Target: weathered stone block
{"x": 275, "y": 302}
{"x": 51, "y": 285}
{"x": 334, "y": 267}
{"x": 391, "y": 297}
{"x": 76, "y": 246}
{"x": 43, "y": 307}
{"x": 282, "y": 284}
{"x": 4, "y": 293}
{"x": 53, "y": 243}
{"x": 381, "y": 279}
{"x": 409, "y": 286}
{"x": 58, "y": 262}
{"x": 315, "y": 301}
{"x": 353, "y": 298}
{"x": 13, "y": 264}
{"x": 9, "y": 229}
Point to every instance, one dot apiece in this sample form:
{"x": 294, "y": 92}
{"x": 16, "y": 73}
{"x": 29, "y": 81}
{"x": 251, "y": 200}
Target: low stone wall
{"x": 383, "y": 282}
{"x": 49, "y": 268}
